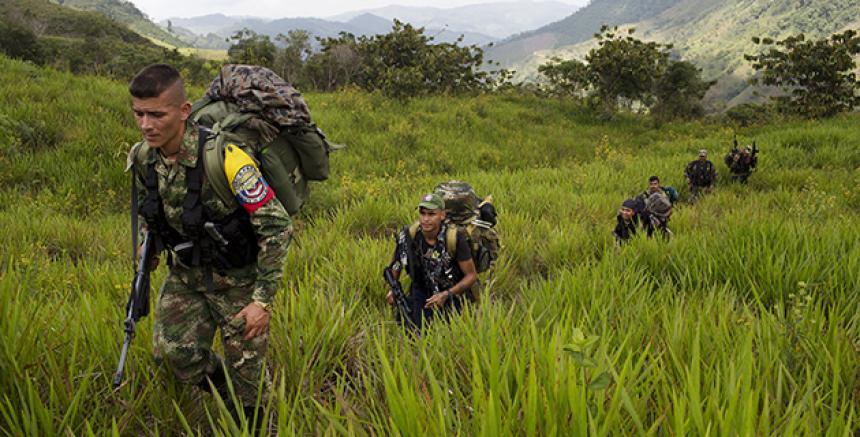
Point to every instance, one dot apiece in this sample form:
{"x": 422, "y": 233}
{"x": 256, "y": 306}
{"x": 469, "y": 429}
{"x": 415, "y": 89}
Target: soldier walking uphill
{"x": 625, "y": 228}
{"x": 208, "y": 286}
{"x": 741, "y": 162}
{"x": 701, "y": 175}
{"x": 442, "y": 273}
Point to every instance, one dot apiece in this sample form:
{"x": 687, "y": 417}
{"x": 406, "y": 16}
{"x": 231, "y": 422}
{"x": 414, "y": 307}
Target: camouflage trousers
{"x": 186, "y": 318}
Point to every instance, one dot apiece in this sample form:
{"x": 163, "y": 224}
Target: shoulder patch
{"x": 245, "y": 179}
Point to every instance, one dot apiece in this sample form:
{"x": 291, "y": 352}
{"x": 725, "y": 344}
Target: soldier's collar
{"x": 188, "y": 148}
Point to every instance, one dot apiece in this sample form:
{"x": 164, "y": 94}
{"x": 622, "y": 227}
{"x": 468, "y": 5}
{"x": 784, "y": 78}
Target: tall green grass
{"x": 745, "y": 323}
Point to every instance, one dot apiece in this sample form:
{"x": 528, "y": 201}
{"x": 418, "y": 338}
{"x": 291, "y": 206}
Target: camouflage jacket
{"x": 271, "y": 223}
{"x": 701, "y": 173}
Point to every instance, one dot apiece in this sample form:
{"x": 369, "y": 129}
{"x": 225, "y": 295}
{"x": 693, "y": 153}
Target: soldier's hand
{"x": 256, "y": 320}
{"x": 390, "y": 297}
{"x": 437, "y": 300}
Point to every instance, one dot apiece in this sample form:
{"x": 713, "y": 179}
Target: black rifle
{"x": 138, "y": 303}
{"x": 399, "y": 297}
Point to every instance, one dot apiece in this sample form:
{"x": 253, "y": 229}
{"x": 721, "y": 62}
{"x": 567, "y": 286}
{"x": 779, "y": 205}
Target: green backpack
{"x": 298, "y": 153}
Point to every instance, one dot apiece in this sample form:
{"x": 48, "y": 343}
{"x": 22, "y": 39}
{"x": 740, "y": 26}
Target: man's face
{"x": 703, "y": 157}
{"x": 653, "y": 186}
{"x": 431, "y": 219}
{"x": 627, "y": 213}
{"x": 162, "y": 119}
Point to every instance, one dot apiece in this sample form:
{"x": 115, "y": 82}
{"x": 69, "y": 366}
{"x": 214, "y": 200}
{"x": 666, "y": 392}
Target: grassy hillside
{"x": 126, "y": 13}
{"x": 576, "y": 28}
{"x": 745, "y": 322}
{"x": 86, "y": 42}
{"x": 714, "y": 35}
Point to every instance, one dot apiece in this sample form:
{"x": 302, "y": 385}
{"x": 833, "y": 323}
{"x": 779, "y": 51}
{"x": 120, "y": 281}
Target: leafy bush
{"x": 818, "y": 76}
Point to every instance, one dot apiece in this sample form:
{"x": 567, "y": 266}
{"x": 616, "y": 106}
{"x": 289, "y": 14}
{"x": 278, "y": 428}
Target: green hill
{"x": 714, "y": 35}
{"x": 125, "y": 12}
{"x": 577, "y": 27}
{"x": 745, "y": 322}
{"x": 84, "y": 42}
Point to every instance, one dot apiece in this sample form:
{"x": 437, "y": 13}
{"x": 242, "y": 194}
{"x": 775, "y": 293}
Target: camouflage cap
{"x": 703, "y": 152}
{"x": 431, "y": 201}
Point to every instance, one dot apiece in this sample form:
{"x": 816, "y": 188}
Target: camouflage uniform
{"x": 700, "y": 175}
{"x": 187, "y": 313}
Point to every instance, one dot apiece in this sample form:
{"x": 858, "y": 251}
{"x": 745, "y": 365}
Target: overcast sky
{"x": 162, "y": 9}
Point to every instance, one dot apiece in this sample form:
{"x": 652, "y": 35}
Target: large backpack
{"x": 255, "y": 109}
{"x": 476, "y": 217}
{"x": 658, "y": 204}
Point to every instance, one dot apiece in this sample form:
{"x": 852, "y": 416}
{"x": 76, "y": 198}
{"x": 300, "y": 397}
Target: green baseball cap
{"x": 431, "y": 201}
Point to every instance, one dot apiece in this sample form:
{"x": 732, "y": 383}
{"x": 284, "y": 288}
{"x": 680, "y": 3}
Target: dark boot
{"x": 218, "y": 379}
{"x": 254, "y": 417}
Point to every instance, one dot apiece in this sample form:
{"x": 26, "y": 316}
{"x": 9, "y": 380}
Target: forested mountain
{"x": 126, "y": 13}
{"x": 713, "y": 34}
{"x": 49, "y": 34}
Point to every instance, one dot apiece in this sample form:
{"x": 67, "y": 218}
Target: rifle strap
{"x": 134, "y": 214}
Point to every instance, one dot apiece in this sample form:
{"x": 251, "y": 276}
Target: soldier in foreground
{"x": 741, "y": 162}
{"x": 440, "y": 277}
{"x": 701, "y": 175}
{"x": 225, "y": 260}
{"x": 625, "y": 227}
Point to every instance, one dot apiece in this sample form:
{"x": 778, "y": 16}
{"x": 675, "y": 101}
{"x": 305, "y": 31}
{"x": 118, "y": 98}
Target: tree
{"x": 679, "y": 91}
{"x": 19, "y": 42}
{"x": 336, "y": 64}
{"x": 289, "y": 61}
{"x": 251, "y": 48}
{"x": 817, "y": 76}
{"x": 405, "y": 62}
{"x": 623, "y": 68}
{"x": 565, "y": 77}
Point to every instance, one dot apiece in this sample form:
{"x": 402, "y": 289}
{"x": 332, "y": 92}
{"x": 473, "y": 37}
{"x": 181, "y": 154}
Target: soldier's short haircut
{"x": 653, "y": 178}
{"x": 153, "y": 80}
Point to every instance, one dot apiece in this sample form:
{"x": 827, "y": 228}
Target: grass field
{"x": 747, "y": 322}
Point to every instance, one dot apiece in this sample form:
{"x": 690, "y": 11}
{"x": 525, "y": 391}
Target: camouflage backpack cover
{"x": 254, "y": 108}
{"x": 658, "y": 204}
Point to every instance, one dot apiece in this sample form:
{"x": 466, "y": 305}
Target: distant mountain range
{"x": 713, "y": 34}
{"x": 498, "y": 20}
{"x": 213, "y": 31}
{"x": 479, "y": 24}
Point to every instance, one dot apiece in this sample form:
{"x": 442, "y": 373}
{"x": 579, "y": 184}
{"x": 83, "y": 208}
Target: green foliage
{"x": 679, "y": 91}
{"x": 251, "y": 48}
{"x": 18, "y": 42}
{"x": 705, "y": 334}
{"x": 623, "y": 68}
{"x": 565, "y": 77}
{"x": 125, "y": 13}
{"x": 85, "y": 42}
{"x": 818, "y": 75}
{"x": 289, "y": 61}
{"x": 749, "y": 114}
{"x": 403, "y": 63}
